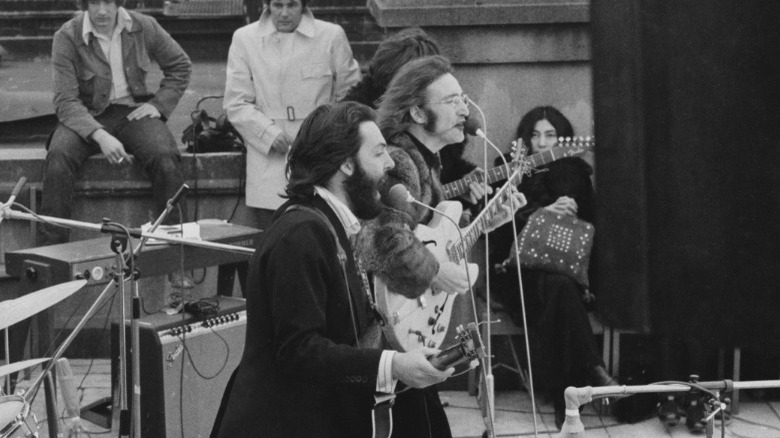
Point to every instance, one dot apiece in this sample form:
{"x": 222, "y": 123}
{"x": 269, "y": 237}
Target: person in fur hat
{"x": 422, "y": 111}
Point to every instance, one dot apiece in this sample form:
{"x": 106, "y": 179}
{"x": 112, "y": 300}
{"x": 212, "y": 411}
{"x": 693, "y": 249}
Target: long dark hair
{"x": 395, "y": 51}
{"x": 328, "y": 136}
{"x": 407, "y": 89}
{"x": 527, "y": 124}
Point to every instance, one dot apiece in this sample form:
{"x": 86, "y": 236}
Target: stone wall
{"x": 509, "y": 56}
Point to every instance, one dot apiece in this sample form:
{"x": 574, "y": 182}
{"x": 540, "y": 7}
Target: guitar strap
{"x": 342, "y": 255}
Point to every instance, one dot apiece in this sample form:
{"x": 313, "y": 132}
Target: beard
{"x": 362, "y": 192}
{"x": 431, "y": 120}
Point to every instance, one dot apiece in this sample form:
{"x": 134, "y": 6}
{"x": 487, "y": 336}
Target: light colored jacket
{"x": 268, "y": 92}
{"x": 82, "y": 74}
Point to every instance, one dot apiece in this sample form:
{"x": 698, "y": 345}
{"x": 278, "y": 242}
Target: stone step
{"x": 31, "y": 30}
{"x": 356, "y": 21}
{"x": 50, "y": 5}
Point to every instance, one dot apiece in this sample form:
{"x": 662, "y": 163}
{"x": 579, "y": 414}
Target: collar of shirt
{"x": 123, "y": 20}
{"x": 431, "y": 159}
{"x": 348, "y": 219}
{"x": 305, "y": 27}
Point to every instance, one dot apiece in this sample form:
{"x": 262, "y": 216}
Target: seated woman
{"x": 563, "y": 348}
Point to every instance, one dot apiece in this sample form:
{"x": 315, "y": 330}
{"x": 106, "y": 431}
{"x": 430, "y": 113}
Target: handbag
{"x": 556, "y": 243}
{"x": 209, "y": 135}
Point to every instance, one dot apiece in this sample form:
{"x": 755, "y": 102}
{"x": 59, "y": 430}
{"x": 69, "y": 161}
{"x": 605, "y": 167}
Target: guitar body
{"x": 422, "y": 322}
{"x": 467, "y": 348}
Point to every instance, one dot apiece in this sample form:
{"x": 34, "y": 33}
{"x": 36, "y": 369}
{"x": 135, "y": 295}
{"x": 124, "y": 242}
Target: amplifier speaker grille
{"x": 185, "y": 366}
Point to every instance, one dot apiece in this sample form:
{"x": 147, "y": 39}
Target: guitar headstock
{"x": 518, "y": 150}
{"x": 467, "y": 349}
{"x": 470, "y": 342}
{"x": 576, "y": 145}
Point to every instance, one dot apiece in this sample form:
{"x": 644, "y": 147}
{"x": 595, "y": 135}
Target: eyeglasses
{"x": 454, "y": 101}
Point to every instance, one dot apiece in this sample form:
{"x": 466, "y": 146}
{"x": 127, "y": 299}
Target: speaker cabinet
{"x": 186, "y": 362}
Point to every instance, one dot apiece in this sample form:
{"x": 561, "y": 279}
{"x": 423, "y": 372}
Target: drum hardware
{"x": 118, "y": 245}
{"x": 15, "y": 415}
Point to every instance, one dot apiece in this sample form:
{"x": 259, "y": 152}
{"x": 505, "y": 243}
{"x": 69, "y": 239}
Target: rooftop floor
{"x": 513, "y": 416}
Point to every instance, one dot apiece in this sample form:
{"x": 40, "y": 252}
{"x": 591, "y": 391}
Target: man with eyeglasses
{"x": 423, "y": 110}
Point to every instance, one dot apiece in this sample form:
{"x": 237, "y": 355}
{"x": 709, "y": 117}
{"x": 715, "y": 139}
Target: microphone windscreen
{"x": 398, "y": 195}
{"x": 472, "y": 126}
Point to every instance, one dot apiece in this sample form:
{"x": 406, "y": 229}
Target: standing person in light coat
{"x": 279, "y": 69}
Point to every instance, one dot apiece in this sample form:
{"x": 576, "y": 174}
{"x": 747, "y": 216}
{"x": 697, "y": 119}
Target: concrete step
{"x": 27, "y": 30}
{"x": 27, "y": 18}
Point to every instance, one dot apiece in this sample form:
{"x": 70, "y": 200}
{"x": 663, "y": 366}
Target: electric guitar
{"x": 468, "y": 349}
{"x": 422, "y": 322}
{"x": 414, "y": 323}
{"x": 566, "y": 147}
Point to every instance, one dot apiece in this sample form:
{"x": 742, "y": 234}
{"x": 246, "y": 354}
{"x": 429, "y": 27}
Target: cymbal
{"x": 18, "y": 366}
{"x": 13, "y": 311}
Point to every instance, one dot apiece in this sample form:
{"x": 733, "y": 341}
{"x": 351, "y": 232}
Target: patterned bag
{"x": 556, "y": 243}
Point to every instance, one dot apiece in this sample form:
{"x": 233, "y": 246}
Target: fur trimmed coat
{"x": 387, "y": 245}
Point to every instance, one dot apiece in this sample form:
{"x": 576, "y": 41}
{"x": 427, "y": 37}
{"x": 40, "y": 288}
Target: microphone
{"x": 14, "y": 193}
{"x": 179, "y": 193}
{"x": 473, "y": 127}
{"x": 399, "y": 195}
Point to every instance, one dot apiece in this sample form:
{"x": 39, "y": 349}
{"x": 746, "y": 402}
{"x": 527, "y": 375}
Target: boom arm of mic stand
{"x": 576, "y": 397}
{"x": 133, "y": 231}
{"x": 135, "y": 364}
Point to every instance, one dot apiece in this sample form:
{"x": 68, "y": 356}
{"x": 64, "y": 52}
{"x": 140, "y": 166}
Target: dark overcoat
{"x": 301, "y": 374}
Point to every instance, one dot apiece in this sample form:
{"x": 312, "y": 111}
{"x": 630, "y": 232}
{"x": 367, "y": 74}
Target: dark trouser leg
{"x": 152, "y": 143}
{"x": 418, "y": 413}
{"x": 67, "y": 152}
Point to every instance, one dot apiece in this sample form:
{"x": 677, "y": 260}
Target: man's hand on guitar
{"x": 507, "y": 209}
{"x": 477, "y": 188}
{"x": 451, "y": 278}
{"x": 414, "y": 369}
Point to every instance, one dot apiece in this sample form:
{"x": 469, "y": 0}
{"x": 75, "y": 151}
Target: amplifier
{"x": 185, "y": 365}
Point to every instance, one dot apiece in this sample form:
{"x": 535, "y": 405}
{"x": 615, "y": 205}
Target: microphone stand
{"x": 576, "y": 397}
{"x": 14, "y": 193}
{"x": 110, "y": 228}
{"x": 135, "y": 341}
{"x": 489, "y": 379}
{"x": 118, "y": 246}
{"x": 410, "y": 198}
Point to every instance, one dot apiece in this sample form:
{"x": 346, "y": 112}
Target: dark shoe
{"x": 694, "y": 416}
{"x": 600, "y": 377}
{"x": 669, "y": 412}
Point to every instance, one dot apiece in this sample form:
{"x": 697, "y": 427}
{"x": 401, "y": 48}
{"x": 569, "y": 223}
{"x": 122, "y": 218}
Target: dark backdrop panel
{"x": 686, "y": 107}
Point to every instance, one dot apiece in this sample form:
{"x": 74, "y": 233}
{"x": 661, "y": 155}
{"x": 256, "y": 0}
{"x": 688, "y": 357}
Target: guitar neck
{"x": 500, "y": 173}
{"x": 479, "y": 225}
{"x": 461, "y": 186}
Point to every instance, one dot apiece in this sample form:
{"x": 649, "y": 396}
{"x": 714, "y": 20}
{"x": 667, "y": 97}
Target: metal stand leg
{"x": 51, "y": 404}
